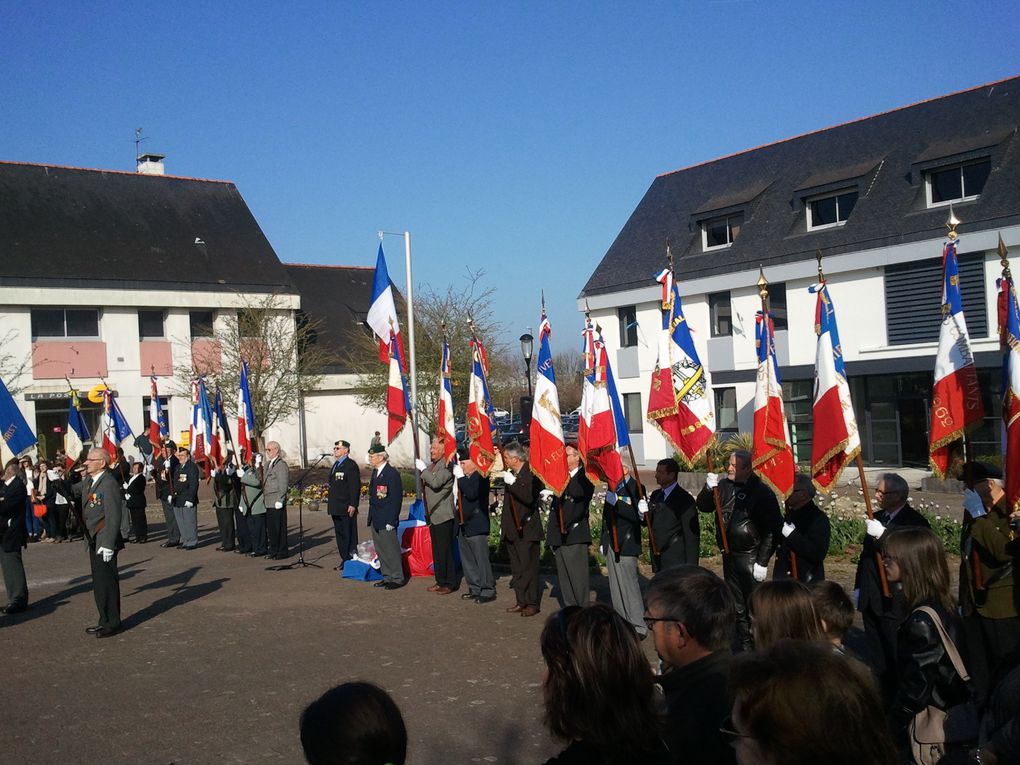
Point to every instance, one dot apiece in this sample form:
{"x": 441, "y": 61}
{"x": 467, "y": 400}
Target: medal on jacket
{"x": 381, "y": 491}
{"x": 182, "y": 478}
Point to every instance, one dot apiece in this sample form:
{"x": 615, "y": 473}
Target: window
{"x": 150, "y": 324}
{"x": 957, "y": 182}
{"x": 632, "y": 412}
{"x": 70, "y": 322}
{"x": 250, "y": 322}
{"x": 726, "y": 410}
{"x": 831, "y": 210}
{"x": 777, "y": 305}
{"x": 628, "y": 326}
{"x": 721, "y": 231}
{"x": 720, "y": 314}
{"x": 913, "y": 299}
{"x": 201, "y": 324}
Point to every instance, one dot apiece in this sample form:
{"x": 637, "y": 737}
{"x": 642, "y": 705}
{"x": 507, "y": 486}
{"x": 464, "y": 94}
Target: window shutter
{"x": 913, "y": 299}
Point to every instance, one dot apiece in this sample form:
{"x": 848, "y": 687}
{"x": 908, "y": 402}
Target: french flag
{"x": 772, "y": 457}
{"x": 1009, "y": 333}
{"x": 447, "y": 427}
{"x": 222, "y": 445}
{"x": 956, "y": 397}
{"x": 115, "y": 427}
{"x": 245, "y": 417}
{"x": 158, "y": 426}
{"x": 382, "y": 311}
{"x": 480, "y": 416}
{"x": 548, "y": 457}
{"x": 201, "y": 423}
{"x": 77, "y": 432}
{"x": 835, "y": 440}
{"x": 398, "y": 404}
{"x": 679, "y": 402}
{"x": 597, "y": 439}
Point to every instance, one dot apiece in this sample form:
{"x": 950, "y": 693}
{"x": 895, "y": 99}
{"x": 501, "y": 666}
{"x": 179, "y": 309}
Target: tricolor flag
{"x": 382, "y": 311}
{"x": 114, "y": 425}
{"x": 772, "y": 457}
{"x": 13, "y": 426}
{"x": 480, "y": 415}
{"x": 679, "y": 403}
{"x": 548, "y": 457}
{"x": 201, "y": 422}
{"x": 956, "y": 398}
{"x": 1009, "y": 333}
{"x": 597, "y": 439}
{"x": 835, "y": 440}
{"x": 446, "y": 427}
{"x": 77, "y": 432}
{"x": 245, "y": 418}
{"x": 222, "y": 445}
{"x": 158, "y": 426}
{"x": 398, "y": 403}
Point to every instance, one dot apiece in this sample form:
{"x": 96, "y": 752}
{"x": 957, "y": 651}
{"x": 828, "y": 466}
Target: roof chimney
{"x": 150, "y": 164}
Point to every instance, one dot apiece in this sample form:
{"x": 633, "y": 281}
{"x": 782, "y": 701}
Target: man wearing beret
{"x": 342, "y": 504}
{"x": 384, "y": 500}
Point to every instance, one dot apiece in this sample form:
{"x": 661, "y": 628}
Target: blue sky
{"x": 514, "y": 137}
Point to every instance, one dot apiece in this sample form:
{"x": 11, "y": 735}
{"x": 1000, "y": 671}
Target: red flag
{"x": 398, "y": 404}
{"x": 1009, "y": 331}
{"x": 772, "y": 456}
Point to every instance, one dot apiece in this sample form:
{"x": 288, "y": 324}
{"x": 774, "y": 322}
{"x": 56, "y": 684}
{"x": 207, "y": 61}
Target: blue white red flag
{"x": 548, "y": 456}
{"x": 245, "y": 418}
{"x": 222, "y": 445}
{"x": 597, "y": 439}
{"x": 201, "y": 422}
{"x": 159, "y": 428}
{"x": 1009, "y": 333}
{"x": 772, "y": 456}
{"x": 447, "y": 428}
{"x": 13, "y": 426}
{"x": 481, "y": 418}
{"x": 680, "y": 400}
{"x": 114, "y": 425}
{"x": 77, "y": 432}
{"x": 956, "y": 396}
{"x": 382, "y": 311}
{"x": 398, "y": 402}
{"x": 835, "y": 440}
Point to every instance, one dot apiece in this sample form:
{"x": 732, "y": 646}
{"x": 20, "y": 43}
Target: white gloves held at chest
{"x": 788, "y": 528}
{"x": 875, "y": 528}
{"x": 712, "y": 480}
{"x": 420, "y": 464}
{"x": 759, "y": 572}
{"x": 642, "y": 507}
{"x": 509, "y": 478}
{"x": 458, "y": 471}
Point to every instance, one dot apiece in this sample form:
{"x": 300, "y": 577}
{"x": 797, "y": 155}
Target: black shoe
{"x": 189, "y": 547}
{"x": 469, "y": 596}
{"x": 14, "y": 608}
{"x": 392, "y": 585}
{"x": 380, "y": 584}
{"x": 141, "y": 541}
{"x": 92, "y": 630}
{"x": 485, "y": 598}
{"x": 228, "y": 549}
{"x": 169, "y": 544}
{"x": 219, "y": 549}
{"x": 105, "y": 632}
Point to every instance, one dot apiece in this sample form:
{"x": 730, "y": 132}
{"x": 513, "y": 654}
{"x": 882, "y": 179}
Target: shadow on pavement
{"x": 180, "y": 595}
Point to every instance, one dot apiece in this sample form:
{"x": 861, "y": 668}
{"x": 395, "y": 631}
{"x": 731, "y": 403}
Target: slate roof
{"x": 883, "y": 156}
{"x": 62, "y": 225}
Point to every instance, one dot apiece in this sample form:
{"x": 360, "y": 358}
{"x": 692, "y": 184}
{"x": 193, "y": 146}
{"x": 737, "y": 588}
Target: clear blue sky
{"x": 516, "y": 137}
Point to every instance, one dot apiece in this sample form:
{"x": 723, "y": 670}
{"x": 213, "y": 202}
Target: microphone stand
{"x": 301, "y": 523}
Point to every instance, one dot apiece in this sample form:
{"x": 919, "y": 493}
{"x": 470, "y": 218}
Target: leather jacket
{"x": 751, "y": 514}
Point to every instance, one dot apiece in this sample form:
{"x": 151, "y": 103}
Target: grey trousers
{"x": 173, "y": 534}
{"x": 391, "y": 563}
{"x": 625, "y": 591}
{"x": 125, "y": 523}
{"x": 572, "y": 573}
{"x": 14, "y": 578}
{"x": 474, "y": 557}
{"x": 187, "y": 524}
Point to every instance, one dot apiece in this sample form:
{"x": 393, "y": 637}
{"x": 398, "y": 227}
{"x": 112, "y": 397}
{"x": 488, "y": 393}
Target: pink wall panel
{"x": 155, "y": 353}
{"x": 56, "y": 359}
{"x": 205, "y": 355}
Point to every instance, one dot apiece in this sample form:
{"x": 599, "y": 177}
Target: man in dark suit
{"x": 473, "y": 518}
{"x": 385, "y": 495}
{"x": 165, "y": 471}
{"x": 882, "y": 616}
{"x": 805, "y": 535}
{"x": 569, "y": 534}
{"x": 186, "y": 499}
{"x": 134, "y": 500}
{"x": 103, "y": 507}
{"x": 342, "y": 503}
{"x": 674, "y": 519}
{"x": 621, "y": 544}
{"x": 275, "y": 483}
{"x": 522, "y": 528}
{"x": 13, "y": 537}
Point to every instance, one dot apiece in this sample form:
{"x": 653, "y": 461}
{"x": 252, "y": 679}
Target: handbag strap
{"x": 948, "y": 644}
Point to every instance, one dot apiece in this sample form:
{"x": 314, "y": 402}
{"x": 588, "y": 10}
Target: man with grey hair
{"x": 385, "y": 497}
{"x": 883, "y": 615}
{"x": 522, "y": 528}
{"x": 437, "y": 481}
{"x": 275, "y": 484}
{"x": 805, "y": 535}
{"x": 102, "y": 508}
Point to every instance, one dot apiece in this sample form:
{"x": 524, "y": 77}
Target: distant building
{"x": 873, "y": 196}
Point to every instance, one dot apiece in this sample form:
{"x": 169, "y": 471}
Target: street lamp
{"x": 527, "y": 348}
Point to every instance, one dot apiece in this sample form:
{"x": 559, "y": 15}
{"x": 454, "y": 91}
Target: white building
{"x": 873, "y": 197}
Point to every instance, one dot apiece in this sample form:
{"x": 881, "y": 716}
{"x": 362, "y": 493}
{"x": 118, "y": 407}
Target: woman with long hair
{"x": 598, "y": 690}
{"x": 783, "y": 608}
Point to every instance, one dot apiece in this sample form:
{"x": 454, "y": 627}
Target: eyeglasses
{"x": 93, "y": 459}
{"x": 730, "y": 733}
{"x": 651, "y": 621}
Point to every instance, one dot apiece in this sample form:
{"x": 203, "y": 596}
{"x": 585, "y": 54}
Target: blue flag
{"x": 19, "y": 437}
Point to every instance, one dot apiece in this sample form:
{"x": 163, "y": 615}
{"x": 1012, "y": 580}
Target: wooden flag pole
{"x": 718, "y": 507}
{"x": 882, "y": 578}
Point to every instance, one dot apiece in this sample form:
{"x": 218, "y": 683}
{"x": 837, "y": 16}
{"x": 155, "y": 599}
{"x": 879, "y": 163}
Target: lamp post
{"x": 527, "y": 348}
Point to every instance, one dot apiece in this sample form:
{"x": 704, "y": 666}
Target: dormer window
{"x": 829, "y": 210}
{"x": 956, "y": 183}
{"x": 717, "y": 233}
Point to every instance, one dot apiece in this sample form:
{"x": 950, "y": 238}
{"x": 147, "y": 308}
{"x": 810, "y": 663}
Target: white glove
{"x": 125, "y": 484}
{"x": 169, "y": 497}
{"x": 642, "y": 507}
{"x": 788, "y": 528}
{"x": 214, "y": 473}
{"x": 458, "y": 471}
{"x": 389, "y": 527}
{"x": 420, "y": 464}
{"x": 240, "y": 473}
{"x": 509, "y": 478}
{"x": 51, "y": 474}
{"x": 127, "y": 496}
{"x": 258, "y": 460}
{"x": 105, "y": 553}
{"x": 972, "y": 503}
{"x": 545, "y": 494}
{"x": 188, "y": 504}
{"x": 875, "y": 528}
{"x": 712, "y": 480}
{"x": 759, "y": 572}
{"x": 278, "y": 506}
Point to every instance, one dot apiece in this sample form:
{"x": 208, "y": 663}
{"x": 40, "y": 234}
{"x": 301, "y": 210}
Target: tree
{"x": 432, "y": 310}
{"x": 283, "y": 358}
{"x": 12, "y": 366}
{"x": 569, "y": 366}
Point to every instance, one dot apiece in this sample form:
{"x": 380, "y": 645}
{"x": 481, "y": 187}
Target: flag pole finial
{"x": 821, "y": 273}
{"x": 952, "y": 223}
{"x": 763, "y": 283}
{"x": 381, "y": 235}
